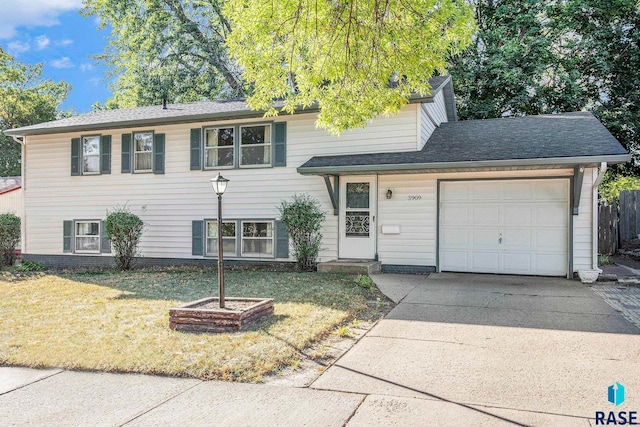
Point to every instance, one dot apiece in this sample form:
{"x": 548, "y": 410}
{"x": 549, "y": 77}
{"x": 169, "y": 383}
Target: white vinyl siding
{"x": 429, "y": 113}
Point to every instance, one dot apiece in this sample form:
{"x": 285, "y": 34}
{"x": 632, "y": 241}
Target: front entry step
{"x": 354, "y": 266}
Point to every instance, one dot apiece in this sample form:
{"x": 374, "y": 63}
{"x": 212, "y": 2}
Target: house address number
{"x": 414, "y": 197}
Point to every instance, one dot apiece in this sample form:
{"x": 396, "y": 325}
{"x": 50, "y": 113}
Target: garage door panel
{"x": 517, "y": 215}
{"x": 485, "y": 262}
{"x": 485, "y": 214}
{"x": 517, "y": 262}
{"x": 455, "y": 260}
{"x": 516, "y": 238}
{"x": 515, "y": 190}
{"x": 483, "y": 192}
{"x": 456, "y": 215}
{"x": 455, "y": 238}
{"x": 532, "y": 216}
{"x": 485, "y": 238}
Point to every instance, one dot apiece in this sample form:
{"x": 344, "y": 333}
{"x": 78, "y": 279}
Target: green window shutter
{"x": 67, "y": 239}
{"x": 105, "y": 154}
{"x": 76, "y": 157}
{"x": 197, "y": 238}
{"x": 158, "y": 153}
{"x": 127, "y": 153}
{"x": 105, "y": 243}
{"x": 280, "y": 144}
{"x": 282, "y": 240}
{"x": 196, "y": 149}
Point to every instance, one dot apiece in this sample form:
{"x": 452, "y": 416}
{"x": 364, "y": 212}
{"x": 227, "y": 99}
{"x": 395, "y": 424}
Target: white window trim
{"x": 232, "y": 147}
{"x": 99, "y": 155}
{"x": 272, "y": 238}
{"x": 270, "y": 145}
{"x": 76, "y": 235}
{"x": 207, "y": 237}
{"x": 136, "y": 152}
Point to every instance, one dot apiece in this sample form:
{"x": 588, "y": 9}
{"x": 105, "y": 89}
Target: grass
{"x": 118, "y": 322}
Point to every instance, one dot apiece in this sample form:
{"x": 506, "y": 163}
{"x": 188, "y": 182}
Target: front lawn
{"x": 119, "y": 322}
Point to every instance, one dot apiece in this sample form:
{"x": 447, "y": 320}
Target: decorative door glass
{"x": 357, "y": 218}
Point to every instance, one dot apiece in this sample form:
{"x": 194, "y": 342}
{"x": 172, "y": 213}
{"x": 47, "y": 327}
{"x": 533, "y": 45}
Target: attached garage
{"x": 505, "y": 226}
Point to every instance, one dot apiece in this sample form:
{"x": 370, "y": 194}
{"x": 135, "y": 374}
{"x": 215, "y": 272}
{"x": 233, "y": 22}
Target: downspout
{"x": 23, "y": 220}
{"x": 594, "y": 215}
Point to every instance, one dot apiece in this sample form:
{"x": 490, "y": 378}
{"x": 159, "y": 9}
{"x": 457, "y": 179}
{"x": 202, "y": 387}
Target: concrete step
{"x": 350, "y": 266}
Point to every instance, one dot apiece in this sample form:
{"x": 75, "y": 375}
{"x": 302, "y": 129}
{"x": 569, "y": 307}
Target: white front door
{"x": 507, "y": 227}
{"x": 357, "y": 217}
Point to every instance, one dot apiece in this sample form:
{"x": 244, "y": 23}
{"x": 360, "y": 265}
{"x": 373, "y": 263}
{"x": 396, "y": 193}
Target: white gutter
{"x": 594, "y": 214}
{"x": 23, "y": 229}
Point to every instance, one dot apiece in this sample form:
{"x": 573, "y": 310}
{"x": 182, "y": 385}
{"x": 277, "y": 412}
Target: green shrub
{"x": 124, "y": 229}
{"x": 303, "y": 217}
{"x": 9, "y": 238}
{"x": 364, "y": 281}
{"x": 27, "y": 265}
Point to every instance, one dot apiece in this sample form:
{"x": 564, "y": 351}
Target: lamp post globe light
{"x": 219, "y": 184}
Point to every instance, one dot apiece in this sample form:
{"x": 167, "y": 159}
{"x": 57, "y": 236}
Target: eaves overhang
{"x": 464, "y": 166}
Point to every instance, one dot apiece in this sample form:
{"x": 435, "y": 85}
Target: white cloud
{"x": 32, "y": 13}
{"x": 95, "y": 81}
{"x": 42, "y": 42}
{"x": 18, "y": 47}
{"x": 84, "y": 67}
{"x": 65, "y": 42}
{"x": 63, "y": 62}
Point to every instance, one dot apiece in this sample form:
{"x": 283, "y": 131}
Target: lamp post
{"x": 219, "y": 185}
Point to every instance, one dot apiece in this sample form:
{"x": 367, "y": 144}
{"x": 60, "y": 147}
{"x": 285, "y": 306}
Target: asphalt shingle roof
{"x": 568, "y": 135}
{"x": 175, "y": 113}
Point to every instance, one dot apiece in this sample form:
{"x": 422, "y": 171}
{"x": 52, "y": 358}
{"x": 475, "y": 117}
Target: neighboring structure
{"x": 11, "y": 200}
{"x": 418, "y": 191}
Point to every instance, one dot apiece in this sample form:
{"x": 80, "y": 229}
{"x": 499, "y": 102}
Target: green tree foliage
{"x": 612, "y": 185}
{"x": 25, "y": 99}
{"x": 124, "y": 229}
{"x": 344, "y": 55}
{"x": 166, "y": 49}
{"x": 9, "y": 238}
{"x": 303, "y": 217}
{"x": 535, "y": 57}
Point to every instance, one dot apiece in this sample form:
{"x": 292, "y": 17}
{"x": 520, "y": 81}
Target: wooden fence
{"x": 608, "y": 229}
{"x": 619, "y": 222}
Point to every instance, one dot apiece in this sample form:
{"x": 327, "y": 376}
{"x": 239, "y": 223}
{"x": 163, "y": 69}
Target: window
{"x": 257, "y": 239}
{"x": 90, "y": 155}
{"x": 255, "y": 145}
{"x": 228, "y": 238}
{"x": 143, "y": 152}
{"x": 87, "y": 236}
{"x": 218, "y": 147}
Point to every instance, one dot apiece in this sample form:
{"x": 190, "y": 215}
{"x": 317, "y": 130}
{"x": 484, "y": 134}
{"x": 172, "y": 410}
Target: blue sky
{"x": 52, "y": 32}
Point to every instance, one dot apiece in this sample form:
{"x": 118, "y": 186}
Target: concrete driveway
{"x": 465, "y": 349}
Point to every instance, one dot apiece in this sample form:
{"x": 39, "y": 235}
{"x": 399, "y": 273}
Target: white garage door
{"x": 509, "y": 227}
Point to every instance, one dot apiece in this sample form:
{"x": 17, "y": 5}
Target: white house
{"x": 419, "y": 191}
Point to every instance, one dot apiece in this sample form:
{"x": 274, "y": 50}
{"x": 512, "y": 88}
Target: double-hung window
{"x": 218, "y": 147}
{"x": 90, "y": 155}
{"x": 257, "y": 239}
{"x": 228, "y": 238}
{"x": 143, "y": 151}
{"x": 255, "y": 145}
{"x": 87, "y": 237}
